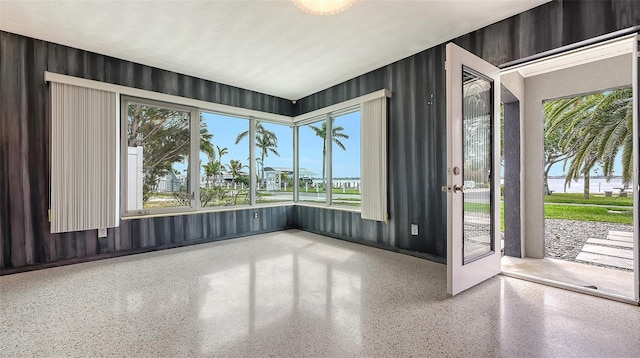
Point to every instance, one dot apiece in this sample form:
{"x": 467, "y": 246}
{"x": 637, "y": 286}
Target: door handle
{"x": 458, "y": 189}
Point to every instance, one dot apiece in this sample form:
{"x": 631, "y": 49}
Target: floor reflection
{"x": 297, "y": 294}
{"x": 304, "y": 280}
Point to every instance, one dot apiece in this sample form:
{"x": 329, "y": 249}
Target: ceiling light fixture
{"x": 323, "y": 7}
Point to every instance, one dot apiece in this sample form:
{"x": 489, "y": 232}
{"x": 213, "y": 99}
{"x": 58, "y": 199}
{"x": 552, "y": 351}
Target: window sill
{"x": 330, "y": 207}
{"x": 241, "y": 207}
{"x": 207, "y": 210}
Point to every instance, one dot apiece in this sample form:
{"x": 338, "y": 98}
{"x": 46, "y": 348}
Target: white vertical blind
{"x": 373, "y": 152}
{"x": 84, "y": 152}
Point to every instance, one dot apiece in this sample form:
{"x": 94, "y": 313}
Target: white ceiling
{"x": 269, "y": 46}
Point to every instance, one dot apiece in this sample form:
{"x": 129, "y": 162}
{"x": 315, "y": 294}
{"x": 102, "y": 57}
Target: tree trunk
{"x": 324, "y": 164}
{"x": 586, "y": 184}
{"x": 546, "y": 181}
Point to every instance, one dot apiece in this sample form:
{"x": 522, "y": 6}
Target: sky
{"x": 346, "y": 164}
{"x": 225, "y": 129}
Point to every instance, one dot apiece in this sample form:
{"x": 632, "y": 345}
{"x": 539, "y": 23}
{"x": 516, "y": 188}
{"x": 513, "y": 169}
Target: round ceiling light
{"x": 323, "y": 7}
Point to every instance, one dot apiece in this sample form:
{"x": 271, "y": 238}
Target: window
{"x": 312, "y": 162}
{"x": 337, "y": 167}
{"x": 168, "y": 162}
{"x": 345, "y": 161}
{"x": 156, "y": 155}
{"x": 224, "y": 161}
{"x": 274, "y": 162}
{"x": 180, "y": 158}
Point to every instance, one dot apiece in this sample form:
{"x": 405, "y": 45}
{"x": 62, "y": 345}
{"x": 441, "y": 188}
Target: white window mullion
{"x": 328, "y": 144}
{"x": 194, "y": 159}
{"x": 296, "y": 163}
{"x": 253, "y": 183}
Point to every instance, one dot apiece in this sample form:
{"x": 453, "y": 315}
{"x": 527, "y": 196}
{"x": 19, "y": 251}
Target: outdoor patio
{"x": 588, "y": 254}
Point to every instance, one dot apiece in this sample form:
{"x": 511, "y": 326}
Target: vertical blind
{"x": 374, "y": 159}
{"x": 84, "y": 152}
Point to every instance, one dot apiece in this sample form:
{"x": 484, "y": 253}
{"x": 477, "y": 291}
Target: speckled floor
{"x": 296, "y": 294}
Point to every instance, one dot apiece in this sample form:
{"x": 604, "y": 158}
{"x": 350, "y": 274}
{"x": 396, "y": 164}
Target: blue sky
{"x": 345, "y": 163}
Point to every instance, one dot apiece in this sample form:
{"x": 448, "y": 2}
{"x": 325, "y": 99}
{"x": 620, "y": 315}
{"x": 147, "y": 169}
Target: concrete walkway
{"x": 616, "y": 250}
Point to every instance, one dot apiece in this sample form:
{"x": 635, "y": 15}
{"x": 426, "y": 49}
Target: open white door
{"x": 473, "y": 171}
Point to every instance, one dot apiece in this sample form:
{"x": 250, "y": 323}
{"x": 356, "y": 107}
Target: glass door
{"x": 473, "y": 252}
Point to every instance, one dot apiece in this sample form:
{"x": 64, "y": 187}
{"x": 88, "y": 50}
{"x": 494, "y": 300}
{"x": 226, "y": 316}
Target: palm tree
{"x": 221, "y": 152}
{"x": 206, "y": 146}
{"x": 211, "y": 169}
{"x": 235, "y": 168}
{"x": 266, "y": 140}
{"x": 336, "y": 132}
{"x": 554, "y": 150}
{"x": 597, "y": 127}
{"x": 164, "y": 134}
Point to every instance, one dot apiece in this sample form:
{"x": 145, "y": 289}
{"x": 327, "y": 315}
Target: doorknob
{"x": 458, "y": 189}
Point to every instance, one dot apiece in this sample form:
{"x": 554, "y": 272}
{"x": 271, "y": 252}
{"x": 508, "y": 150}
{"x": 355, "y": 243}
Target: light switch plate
{"x": 414, "y": 229}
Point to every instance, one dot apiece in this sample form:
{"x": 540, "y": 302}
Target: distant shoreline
{"x": 596, "y": 185}
{"x": 592, "y": 177}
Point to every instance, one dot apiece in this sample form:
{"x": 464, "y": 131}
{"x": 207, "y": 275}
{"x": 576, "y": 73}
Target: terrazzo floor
{"x": 296, "y": 294}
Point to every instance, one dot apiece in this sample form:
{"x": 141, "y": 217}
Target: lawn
{"x": 594, "y": 199}
{"x": 335, "y": 190}
{"x": 589, "y": 213}
{"x": 599, "y": 213}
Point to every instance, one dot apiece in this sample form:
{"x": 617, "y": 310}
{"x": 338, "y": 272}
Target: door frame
{"x": 530, "y": 216}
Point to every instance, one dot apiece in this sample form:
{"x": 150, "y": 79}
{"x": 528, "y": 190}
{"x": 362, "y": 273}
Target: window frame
{"x": 328, "y": 117}
{"x": 251, "y": 127}
{"x": 194, "y": 159}
{"x": 253, "y": 152}
{"x": 349, "y": 110}
{"x": 124, "y": 161}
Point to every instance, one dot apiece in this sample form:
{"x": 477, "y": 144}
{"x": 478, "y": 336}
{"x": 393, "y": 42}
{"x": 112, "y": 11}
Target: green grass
{"x": 483, "y": 208}
{"x": 321, "y": 191}
{"x": 599, "y": 213}
{"x": 594, "y": 199}
{"x": 589, "y": 213}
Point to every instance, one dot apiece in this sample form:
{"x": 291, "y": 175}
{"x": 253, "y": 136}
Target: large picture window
{"x": 157, "y": 147}
{"x": 345, "y": 161}
{"x": 180, "y": 158}
{"x": 177, "y": 158}
{"x": 329, "y": 158}
{"x": 274, "y": 162}
{"x": 312, "y": 154}
{"x": 224, "y": 175}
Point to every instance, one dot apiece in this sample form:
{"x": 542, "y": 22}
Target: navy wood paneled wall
{"x": 25, "y": 123}
{"x": 417, "y": 117}
{"x": 417, "y": 144}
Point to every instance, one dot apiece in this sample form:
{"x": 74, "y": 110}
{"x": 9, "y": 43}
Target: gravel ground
{"x": 565, "y": 238}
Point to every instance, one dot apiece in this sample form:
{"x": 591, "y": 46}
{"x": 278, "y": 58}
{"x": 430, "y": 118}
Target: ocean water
{"x": 597, "y": 185}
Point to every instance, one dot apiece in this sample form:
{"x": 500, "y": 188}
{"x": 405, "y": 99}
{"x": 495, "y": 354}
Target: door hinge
{"x": 446, "y": 65}
{"x": 49, "y": 214}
